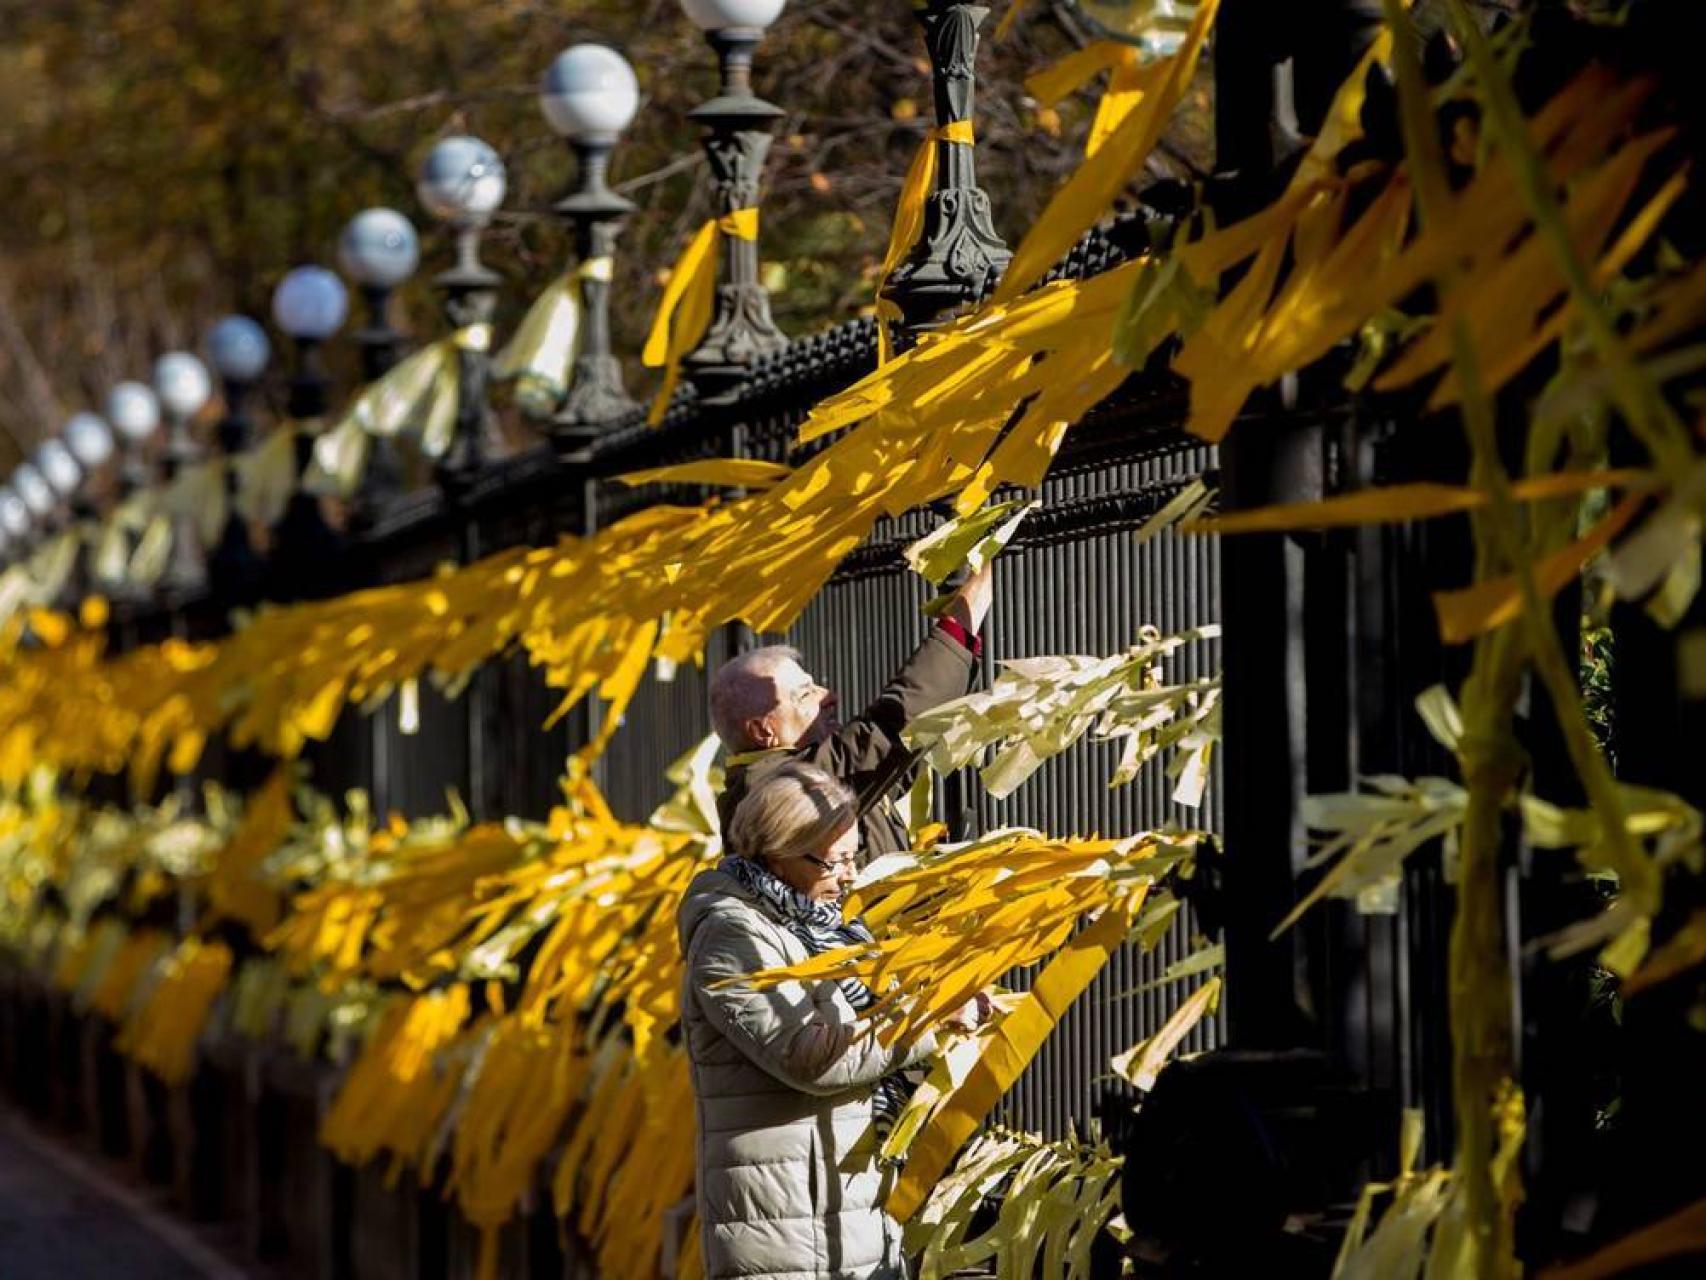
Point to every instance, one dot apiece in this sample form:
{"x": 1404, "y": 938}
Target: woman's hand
{"x": 973, "y": 1014}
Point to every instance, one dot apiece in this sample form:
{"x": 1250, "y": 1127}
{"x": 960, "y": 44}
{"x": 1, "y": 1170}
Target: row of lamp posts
{"x": 589, "y": 96}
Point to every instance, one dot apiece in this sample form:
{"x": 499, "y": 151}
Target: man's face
{"x": 804, "y": 712}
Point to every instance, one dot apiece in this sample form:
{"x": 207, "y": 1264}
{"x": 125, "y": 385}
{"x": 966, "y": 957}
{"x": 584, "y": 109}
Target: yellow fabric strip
{"x": 915, "y": 189}
{"x": 689, "y": 301}
{"x": 753, "y": 757}
{"x": 1091, "y": 191}
{"x": 1074, "y": 71}
{"x": 739, "y": 473}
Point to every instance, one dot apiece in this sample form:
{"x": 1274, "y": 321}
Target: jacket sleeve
{"x": 937, "y": 672}
{"x": 797, "y": 1033}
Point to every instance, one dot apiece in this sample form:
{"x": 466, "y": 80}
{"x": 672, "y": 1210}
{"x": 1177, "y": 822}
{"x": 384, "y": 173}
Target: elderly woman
{"x": 787, "y": 1080}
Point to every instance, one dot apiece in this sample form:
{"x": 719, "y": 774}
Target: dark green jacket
{"x": 858, "y": 752}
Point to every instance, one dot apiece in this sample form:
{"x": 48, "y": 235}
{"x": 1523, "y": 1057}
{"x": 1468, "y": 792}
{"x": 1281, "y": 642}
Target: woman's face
{"x": 829, "y": 875}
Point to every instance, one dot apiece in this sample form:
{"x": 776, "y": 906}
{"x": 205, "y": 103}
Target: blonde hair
{"x": 797, "y": 810}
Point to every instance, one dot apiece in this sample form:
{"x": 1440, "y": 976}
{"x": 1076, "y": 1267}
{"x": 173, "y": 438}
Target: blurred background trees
{"x": 167, "y": 161}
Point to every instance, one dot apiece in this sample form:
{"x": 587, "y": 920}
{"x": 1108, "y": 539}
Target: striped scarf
{"x": 820, "y": 927}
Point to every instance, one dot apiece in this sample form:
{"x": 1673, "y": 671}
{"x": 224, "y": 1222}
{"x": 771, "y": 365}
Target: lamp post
{"x": 38, "y": 495}
{"x": 90, "y": 440}
{"x": 462, "y": 183}
{"x": 379, "y": 250}
{"x": 240, "y": 352}
{"x": 959, "y": 255}
{"x": 309, "y": 306}
{"x": 65, "y": 476}
{"x": 183, "y": 386}
{"x": 134, "y": 411}
{"x": 737, "y": 140}
{"x": 61, "y": 471}
{"x": 15, "y": 520}
{"x": 589, "y": 97}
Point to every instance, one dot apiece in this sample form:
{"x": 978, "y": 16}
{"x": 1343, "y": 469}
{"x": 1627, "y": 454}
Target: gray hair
{"x": 744, "y": 689}
{"x": 797, "y": 810}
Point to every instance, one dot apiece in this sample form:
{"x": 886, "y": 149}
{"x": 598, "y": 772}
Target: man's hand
{"x": 970, "y": 605}
{"x": 975, "y": 1012}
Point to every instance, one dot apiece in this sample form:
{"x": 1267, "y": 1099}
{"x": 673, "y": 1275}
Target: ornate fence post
{"x": 737, "y": 142}
{"x": 463, "y": 182}
{"x": 379, "y": 250}
{"x": 959, "y": 255}
{"x": 240, "y": 353}
{"x": 182, "y": 384}
{"x": 590, "y": 96}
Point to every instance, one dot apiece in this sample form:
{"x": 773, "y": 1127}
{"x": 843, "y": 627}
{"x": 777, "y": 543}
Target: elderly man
{"x": 768, "y": 710}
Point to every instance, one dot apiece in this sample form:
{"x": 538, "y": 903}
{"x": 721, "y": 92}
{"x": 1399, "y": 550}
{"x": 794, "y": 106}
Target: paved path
{"x": 63, "y": 1217}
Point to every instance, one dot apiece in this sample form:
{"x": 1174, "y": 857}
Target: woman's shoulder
{"x": 716, "y": 902}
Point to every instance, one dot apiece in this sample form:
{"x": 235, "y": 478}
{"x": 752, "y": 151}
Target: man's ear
{"x": 760, "y": 732}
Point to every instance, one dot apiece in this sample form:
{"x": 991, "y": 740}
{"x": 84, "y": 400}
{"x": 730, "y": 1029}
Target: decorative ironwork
{"x": 959, "y": 255}
{"x": 737, "y": 141}
{"x": 597, "y": 396}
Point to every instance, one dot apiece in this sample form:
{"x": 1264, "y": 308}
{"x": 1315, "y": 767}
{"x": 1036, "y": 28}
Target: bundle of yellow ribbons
{"x": 689, "y": 301}
{"x": 419, "y": 395}
{"x": 541, "y": 355}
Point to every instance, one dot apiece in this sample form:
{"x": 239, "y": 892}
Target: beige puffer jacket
{"x": 782, "y": 1081}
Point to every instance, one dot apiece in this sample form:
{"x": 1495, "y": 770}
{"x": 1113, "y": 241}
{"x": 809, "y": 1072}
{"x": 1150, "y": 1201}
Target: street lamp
{"x": 736, "y": 142}
{"x": 90, "y": 440}
{"x": 134, "y": 411}
{"x": 184, "y": 386}
{"x": 309, "y": 306}
{"x": 379, "y": 251}
{"x": 462, "y": 182}
{"x": 589, "y": 97}
{"x": 240, "y": 352}
{"x": 15, "y": 519}
{"x": 58, "y": 468}
{"x": 33, "y": 488}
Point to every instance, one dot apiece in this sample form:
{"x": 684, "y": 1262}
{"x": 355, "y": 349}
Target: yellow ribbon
{"x": 417, "y": 395}
{"x": 915, "y": 189}
{"x": 689, "y": 301}
{"x": 1071, "y": 73}
{"x": 541, "y": 354}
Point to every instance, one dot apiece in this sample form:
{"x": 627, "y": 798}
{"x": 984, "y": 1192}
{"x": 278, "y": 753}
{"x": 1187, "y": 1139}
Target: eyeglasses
{"x": 834, "y": 868}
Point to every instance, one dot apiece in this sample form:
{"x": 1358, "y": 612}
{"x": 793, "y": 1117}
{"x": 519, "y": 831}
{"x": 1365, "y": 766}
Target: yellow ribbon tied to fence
{"x": 689, "y": 299}
{"x": 915, "y": 189}
{"x": 266, "y": 477}
{"x": 418, "y": 395}
{"x": 541, "y": 354}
